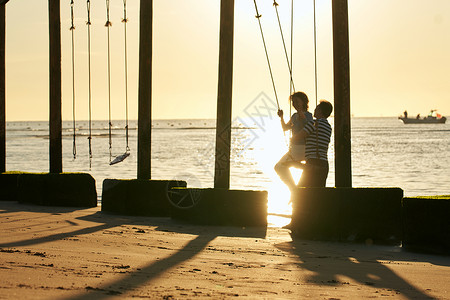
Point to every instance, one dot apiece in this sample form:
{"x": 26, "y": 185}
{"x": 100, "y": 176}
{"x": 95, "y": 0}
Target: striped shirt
{"x": 318, "y": 140}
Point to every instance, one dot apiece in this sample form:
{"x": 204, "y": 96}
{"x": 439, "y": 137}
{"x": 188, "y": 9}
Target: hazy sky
{"x": 399, "y": 53}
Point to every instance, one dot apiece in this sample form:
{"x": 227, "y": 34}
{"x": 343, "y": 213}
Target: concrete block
{"x": 8, "y": 186}
{"x": 138, "y": 197}
{"x": 64, "y": 189}
{"x": 426, "y": 224}
{"x": 316, "y": 213}
{"x": 220, "y": 207}
{"x": 371, "y": 215}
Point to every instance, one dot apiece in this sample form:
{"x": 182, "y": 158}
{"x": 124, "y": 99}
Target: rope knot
{"x": 108, "y": 24}
{"x": 258, "y": 16}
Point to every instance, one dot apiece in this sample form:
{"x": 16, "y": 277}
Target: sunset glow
{"x": 395, "y": 63}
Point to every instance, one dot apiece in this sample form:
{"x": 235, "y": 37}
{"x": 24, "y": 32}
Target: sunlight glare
{"x": 271, "y": 145}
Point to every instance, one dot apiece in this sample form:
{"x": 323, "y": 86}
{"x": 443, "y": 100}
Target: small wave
{"x": 86, "y": 134}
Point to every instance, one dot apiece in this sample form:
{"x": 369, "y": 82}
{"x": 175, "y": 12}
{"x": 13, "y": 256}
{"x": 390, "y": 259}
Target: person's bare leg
{"x": 282, "y": 169}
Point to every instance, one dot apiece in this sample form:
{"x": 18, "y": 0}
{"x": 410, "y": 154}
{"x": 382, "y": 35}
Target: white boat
{"x": 432, "y": 118}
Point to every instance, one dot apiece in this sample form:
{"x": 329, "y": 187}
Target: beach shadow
{"x": 333, "y": 263}
{"x": 147, "y": 273}
{"x": 107, "y": 220}
{"x": 43, "y": 220}
{"x": 14, "y": 206}
{"x": 203, "y": 235}
{"x": 167, "y": 224}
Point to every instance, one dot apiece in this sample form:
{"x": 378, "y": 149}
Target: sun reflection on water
{"x": 270, "y": 146}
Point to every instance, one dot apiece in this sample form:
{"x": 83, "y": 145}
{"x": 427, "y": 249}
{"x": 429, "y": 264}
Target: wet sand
{"x": 63, "y": 253}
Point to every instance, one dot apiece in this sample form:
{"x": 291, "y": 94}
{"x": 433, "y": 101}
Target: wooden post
{"x": 55, "y": 86}
{"x": 145, "y": 90}
{"x": 224, "y": 96}
{"x": 2, "y": 90}
{"x": 342, "y": 129}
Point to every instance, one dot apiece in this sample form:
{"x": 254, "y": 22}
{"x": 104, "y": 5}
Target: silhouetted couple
{"x": 308, "y": 147}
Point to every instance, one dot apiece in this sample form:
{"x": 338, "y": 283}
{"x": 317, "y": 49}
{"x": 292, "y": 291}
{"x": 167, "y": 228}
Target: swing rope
{"x": 120, "y": 158}
{"x": 108, "y": 25}
{"x": 275, "y": 4}
{"x": 88, "y": 23}
{"x": 258, "y": 16}
{"x": 124, "y": 21}
{"x": 291, "y": 89}
{"x": 315, "y": 51}
{"x": 72, "y": 28}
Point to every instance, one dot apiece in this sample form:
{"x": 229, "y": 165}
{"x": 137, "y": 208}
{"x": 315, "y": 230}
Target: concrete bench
{"x": 220, "y": 206}
{"x": 8, "y": 185}
{"x": 370, "y": 215}
{"x": 138, "y": 197}
{"x": 426, "y": 224}
{"x": 52, "y": 189}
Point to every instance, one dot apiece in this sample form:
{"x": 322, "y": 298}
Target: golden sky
{"x": 399, "y": 54}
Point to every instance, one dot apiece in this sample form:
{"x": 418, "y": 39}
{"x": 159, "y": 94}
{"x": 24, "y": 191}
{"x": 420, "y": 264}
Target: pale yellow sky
{"x": 399, "y": 53}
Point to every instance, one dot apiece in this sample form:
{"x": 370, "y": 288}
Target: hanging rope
{"x": 108, "y": 25}
{"x": 72, "y": 29}
{"x": 88, "y": 23}
{"x": 275, "y": 4}
{"x": 258, "y": 16}
{"x": 124, "y": 21}
{"x": 120, "y": 158}
{"x": 315, "y": 51}
{"x": 292, "y": 89}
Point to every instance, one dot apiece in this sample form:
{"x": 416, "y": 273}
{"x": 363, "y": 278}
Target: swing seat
{"x": 119, "y": 158}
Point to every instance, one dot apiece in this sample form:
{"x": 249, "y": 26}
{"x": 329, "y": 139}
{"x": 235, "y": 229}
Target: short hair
{"x": 325, "y": 107}
{"x": 302, "y": 96}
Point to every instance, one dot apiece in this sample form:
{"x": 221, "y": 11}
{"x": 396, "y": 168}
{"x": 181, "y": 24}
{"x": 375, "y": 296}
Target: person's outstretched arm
{"x": 285, "y": 126}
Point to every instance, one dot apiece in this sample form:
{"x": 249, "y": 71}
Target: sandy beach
{"x": 64, "y": 253}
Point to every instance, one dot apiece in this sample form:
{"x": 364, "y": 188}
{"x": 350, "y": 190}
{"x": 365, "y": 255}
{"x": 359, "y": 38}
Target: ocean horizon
{"x": 385, "y": 153}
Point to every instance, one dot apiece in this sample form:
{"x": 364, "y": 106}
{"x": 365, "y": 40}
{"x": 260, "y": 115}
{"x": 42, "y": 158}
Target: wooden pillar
{"x": 2, "y": 89}
{"x": 342, "y": 129}
{"x": 145, "y": 90}
{"x": 224, "y": 96}
{"x": 54, "y": 15}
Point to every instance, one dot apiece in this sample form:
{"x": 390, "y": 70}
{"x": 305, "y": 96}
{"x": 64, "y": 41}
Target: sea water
{"x": 385, "y": 153}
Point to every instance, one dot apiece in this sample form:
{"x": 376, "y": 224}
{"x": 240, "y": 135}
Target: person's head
{"x": 323, "y": 109}
{"x": 299, "y": 101}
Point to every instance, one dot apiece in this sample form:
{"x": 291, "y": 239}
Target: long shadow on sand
{"x": 144, "y": 275}
{"x": 40, "y": 220}
{"x": 333, "y": 264}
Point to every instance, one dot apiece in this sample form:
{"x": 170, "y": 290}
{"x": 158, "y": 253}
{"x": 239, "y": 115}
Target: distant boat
{"x": 432, "y": 118}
